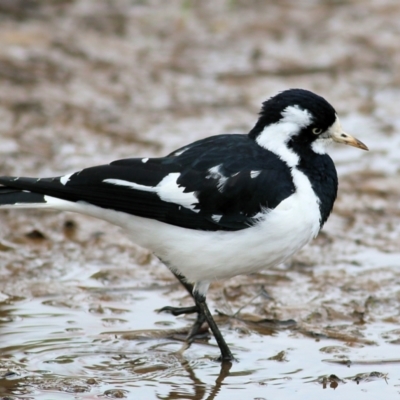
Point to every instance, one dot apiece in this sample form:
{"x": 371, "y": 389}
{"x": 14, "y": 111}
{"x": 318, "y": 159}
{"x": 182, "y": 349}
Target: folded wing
{"x": 220, "y": 183}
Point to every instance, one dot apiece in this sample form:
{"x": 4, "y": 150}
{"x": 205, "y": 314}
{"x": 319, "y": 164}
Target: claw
{"x": 179, "y": 310}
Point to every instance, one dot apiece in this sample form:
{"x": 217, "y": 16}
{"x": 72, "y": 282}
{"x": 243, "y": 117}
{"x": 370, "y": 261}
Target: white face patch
{"x": 167, "y": 190}
{"x": 276, "y": 136}
{"x": 336, "y": 127}
{"x": 320, "y": 145}
{"x": 144, "y": 160}
{"x": 296, "y": 115}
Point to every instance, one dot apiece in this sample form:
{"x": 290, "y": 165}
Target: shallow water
{"x": 84, "y": 82}
{"x": 51, "y": 345}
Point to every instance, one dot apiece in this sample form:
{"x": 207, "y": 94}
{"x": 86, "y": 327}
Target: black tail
{"x": 15, "y": 197}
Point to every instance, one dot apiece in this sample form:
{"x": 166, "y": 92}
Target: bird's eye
{"x": 316, "y": 131}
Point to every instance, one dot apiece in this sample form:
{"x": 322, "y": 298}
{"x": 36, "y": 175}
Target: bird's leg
{"x": 203, "y": 315}
{"x": 187, "y": 310}
{"x": 181, "y": 310}
{"x": 200, "y": 300}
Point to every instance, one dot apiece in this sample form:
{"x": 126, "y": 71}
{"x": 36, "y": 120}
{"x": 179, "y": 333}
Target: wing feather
{"x": 209, "y": 185}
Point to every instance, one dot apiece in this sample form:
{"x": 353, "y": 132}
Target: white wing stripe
{"x": 167, "y": 190}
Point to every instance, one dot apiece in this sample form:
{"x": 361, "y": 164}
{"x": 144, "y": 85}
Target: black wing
{"x": 218, "y": 183}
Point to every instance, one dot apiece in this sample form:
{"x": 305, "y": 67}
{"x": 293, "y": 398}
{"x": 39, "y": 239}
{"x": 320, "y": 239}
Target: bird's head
{"x": 301, "y": 120}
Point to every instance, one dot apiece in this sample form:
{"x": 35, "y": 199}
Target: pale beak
{"x": 342, "y": 137}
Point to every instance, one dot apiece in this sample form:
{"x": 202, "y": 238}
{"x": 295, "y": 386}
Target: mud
{"x": 84, "y": 82}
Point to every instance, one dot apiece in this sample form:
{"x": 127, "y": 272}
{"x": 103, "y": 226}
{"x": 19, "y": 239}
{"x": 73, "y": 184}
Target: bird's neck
{"x": 321, "y": 172}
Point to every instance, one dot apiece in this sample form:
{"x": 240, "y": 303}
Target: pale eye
{"x": 316, "y": 131}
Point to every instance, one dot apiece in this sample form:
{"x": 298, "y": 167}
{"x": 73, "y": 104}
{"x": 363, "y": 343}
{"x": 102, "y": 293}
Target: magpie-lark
{"x": 221, "y": 206}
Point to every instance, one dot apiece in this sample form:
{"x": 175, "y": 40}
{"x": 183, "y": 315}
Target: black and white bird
{"x": 222, "y": 206}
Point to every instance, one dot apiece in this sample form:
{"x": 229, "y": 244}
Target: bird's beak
{"x": 338, "y": 135}
{"x": 343, "y": 137}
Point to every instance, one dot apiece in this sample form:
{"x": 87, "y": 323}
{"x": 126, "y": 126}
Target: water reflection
{"x": 200, "y": 388}
{"x": 53, "y": 344}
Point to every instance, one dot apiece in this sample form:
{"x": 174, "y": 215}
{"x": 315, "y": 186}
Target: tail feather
{"x": 11, "y": 198}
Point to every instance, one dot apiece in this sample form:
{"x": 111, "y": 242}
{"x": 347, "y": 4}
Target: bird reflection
{"x": 201, "y": 389}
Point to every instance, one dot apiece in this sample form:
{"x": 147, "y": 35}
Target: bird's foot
{"x": 199, "y": 330}
{"x": 228, "y": 359}
{"x": 179, "y": 310}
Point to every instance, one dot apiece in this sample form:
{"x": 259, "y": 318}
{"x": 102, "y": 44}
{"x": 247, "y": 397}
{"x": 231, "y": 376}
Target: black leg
{"x": 194, "y": 331}
{"x": 203, "y": 315}
{"x": 196, "y": 326}
{"x": 226, "y": 354}
{"x": 181, "y": 310}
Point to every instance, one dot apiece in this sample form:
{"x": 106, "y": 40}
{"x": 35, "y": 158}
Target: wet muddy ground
{"x": 83, "y": 82}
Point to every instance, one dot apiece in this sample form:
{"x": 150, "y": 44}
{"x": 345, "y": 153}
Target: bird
{"x": 221, "y": 206}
